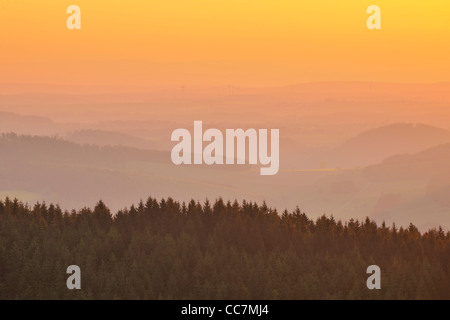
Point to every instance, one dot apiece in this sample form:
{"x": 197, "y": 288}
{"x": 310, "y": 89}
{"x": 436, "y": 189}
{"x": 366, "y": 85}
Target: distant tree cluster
{"x": 170, "y": 250}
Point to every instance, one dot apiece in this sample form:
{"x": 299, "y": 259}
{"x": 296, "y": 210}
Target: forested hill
{"x": 168, "y": 250}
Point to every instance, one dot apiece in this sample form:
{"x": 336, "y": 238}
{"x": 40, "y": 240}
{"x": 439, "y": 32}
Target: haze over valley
{"x": 346, "y": 149}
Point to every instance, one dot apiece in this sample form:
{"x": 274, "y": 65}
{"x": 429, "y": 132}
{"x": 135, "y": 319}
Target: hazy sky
{"x": 220, "y": 42}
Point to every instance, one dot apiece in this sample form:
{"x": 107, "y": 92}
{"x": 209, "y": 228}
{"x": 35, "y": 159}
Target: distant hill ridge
{"x": 374, "y": 145}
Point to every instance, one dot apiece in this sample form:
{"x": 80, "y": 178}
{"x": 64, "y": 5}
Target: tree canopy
{"x": 222, "y": 250}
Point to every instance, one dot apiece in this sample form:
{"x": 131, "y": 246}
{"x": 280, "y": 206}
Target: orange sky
{"x": 221, "y": 42}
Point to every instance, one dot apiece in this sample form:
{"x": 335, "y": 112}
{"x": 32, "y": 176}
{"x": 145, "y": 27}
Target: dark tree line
{"x": 170, "y": 250}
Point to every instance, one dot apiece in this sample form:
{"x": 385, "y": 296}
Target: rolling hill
{"x": 110, "y": 138}
{"x": 374, "y": 145}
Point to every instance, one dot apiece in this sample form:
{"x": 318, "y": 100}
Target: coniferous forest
{"x": 222, "y": 250}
